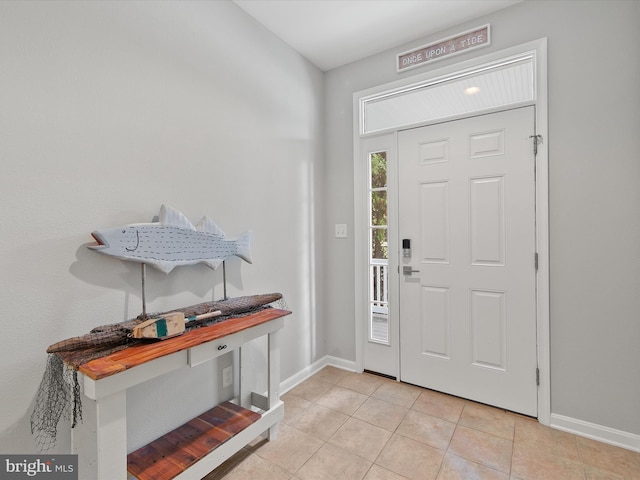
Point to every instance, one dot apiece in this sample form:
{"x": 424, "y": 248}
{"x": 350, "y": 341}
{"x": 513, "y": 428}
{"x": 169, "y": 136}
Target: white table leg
{"x": 273, "y": 346}
{"x": 100, "y": 440}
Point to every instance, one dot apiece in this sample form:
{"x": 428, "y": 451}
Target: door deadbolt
{"x": 406, "y": 247}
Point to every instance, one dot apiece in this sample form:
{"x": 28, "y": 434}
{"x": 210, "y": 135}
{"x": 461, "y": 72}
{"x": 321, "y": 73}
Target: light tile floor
{"x": 346, "y": 426}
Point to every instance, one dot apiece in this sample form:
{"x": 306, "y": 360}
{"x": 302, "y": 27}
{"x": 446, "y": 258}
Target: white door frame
{"x": 361, "y": 144}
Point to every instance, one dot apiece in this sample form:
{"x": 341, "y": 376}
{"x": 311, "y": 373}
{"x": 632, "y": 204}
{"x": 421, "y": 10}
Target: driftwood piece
{"x": 117, "y": 334}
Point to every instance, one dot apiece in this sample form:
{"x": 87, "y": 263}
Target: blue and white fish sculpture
{"x": 171, "y": 242}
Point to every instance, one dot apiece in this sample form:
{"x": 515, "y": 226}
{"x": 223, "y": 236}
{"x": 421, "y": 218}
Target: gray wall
{"x": 594, "y": 145}
{"x": 107, "y": 111}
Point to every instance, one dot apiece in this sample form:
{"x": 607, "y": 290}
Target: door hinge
{"x": 537, "y": 376}
{"x": 535, "y": 261}
{"x": 537, "y": 139}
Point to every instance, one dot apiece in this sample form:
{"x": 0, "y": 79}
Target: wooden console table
{"x": 197, "y": 447}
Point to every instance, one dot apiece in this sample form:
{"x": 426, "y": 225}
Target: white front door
{"x": 468, "y": 297}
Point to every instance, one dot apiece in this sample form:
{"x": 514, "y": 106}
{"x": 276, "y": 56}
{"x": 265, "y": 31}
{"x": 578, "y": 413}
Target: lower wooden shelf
{"x": 171, "y": 454}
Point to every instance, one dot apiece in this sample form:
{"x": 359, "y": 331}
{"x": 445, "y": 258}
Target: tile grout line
{"x": 388, "y": 440}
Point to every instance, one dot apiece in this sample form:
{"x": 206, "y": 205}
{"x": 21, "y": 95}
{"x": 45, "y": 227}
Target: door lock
{"x": 406, "y": 247}
{"x": 407, "y": 270}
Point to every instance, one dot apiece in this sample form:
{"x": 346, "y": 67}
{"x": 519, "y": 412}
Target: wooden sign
{"x": 463, "y": 42}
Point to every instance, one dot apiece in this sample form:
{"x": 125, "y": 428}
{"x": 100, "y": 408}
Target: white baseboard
{"x": 314, "y": 368}
{"x": 597, "y": 432}
{"x": 341, "y": 363}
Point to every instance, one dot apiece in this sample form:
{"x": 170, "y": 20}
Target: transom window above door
{"x": 510, "y": 82}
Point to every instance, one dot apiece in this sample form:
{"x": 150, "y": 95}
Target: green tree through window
{"x": 379, "y": 244}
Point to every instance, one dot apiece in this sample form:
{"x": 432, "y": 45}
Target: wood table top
{"x": 144, "y": 352}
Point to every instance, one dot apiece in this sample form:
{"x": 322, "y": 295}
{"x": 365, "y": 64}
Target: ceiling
{"x": 331, "y": 33}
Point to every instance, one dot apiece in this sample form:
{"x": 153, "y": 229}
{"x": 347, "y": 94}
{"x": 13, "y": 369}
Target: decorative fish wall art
{"x": 172, "y": 241}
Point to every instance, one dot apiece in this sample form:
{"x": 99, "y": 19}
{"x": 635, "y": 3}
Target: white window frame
{"x": 372, "y": 264}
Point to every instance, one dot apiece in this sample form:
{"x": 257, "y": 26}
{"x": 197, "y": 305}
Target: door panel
{"x": 467, "y": 303}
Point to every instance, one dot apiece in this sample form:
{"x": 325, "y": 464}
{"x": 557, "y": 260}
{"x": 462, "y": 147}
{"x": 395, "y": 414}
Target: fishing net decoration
{"x": 59, "y": 394}
{"x": 58, "y": 397}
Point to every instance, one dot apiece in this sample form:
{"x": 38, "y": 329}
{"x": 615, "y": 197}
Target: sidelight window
{"x": 378, "y": 249}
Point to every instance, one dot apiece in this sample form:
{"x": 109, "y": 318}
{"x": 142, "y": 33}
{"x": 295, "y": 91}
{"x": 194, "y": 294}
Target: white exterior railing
{"x": 378, "y": 293}
{"x": 379, "y": 301}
